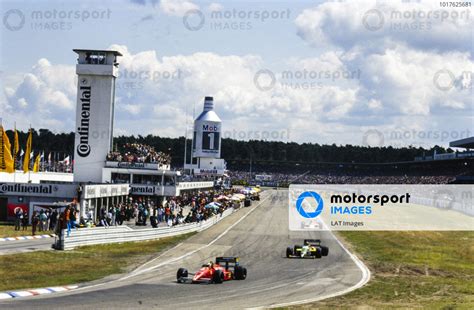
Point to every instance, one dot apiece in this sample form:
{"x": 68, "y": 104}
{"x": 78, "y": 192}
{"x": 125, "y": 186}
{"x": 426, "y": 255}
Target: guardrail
{"x": 117, "y": 234}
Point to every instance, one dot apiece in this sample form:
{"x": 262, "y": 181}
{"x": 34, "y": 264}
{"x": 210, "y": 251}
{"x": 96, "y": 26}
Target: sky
{"x": 377, "y": 73}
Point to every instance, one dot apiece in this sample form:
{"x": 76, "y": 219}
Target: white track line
{"x": 138, "y": 272}
{"x": 364, "y": 269}
{"x": 366, "y": 274}
{"x": 198, "y": 249}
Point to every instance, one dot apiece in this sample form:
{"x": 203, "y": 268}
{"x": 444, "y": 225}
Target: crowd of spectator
{"x": 44, "y": 220}
{"x": 65, "y": 167}
{"x": 50, "y": 166}
{"x": 187, "y": 208}
{"x": 309, "y": 177}
{"x": 139, "y": 153}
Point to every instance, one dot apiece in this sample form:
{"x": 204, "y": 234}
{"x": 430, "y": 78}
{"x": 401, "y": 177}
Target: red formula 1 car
{"x": 224, "y": 269}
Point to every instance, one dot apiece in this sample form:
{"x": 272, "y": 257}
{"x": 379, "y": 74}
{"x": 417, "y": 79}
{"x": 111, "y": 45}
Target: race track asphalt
{"x": 259, "y": 239}
{"x": 23, "y": 246}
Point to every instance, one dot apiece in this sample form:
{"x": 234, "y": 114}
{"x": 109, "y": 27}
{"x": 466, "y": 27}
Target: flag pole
{"x": 29, "y": 170}
{"x": 14, "y": 155}
{"x": 185, "y": 138}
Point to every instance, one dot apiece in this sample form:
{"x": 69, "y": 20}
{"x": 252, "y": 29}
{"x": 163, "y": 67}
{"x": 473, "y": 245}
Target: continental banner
{"x": 381, "y": 207}
{"x": 6, "y": 159}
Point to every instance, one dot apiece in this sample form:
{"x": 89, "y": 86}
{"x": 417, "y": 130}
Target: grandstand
{"x": 458, "y": 167}
{"x": 468, "y": 143}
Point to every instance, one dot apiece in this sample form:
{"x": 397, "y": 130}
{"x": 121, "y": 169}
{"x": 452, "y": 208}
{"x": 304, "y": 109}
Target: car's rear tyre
{"x": 182, "y": 273}
{"x": 324, "y": 251}
{"x": 218, "y": 277}
{"x": 289, "y": 252}
{"x": 240, "y": 273}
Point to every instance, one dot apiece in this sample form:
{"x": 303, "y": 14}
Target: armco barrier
{"x": 115, "y": 234}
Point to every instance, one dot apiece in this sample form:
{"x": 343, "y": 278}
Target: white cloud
{"x": 44, "y": 94}
{"x": 22, "y": 103}
{"x": 374, "y": 104}
{"x": 421, "y": 24}
{"x": 215, "y": 7}
{"x": 393, "y": 88}
{"x": 133, "y": 109}
{"x": 411, "y": 64}
{"x": 177, "y": 7}
{"x": 405, "y": 80}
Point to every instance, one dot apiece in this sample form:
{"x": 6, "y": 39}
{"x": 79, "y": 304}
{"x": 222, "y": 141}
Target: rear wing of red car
{"x": 312, "y": 241}
{"x": 227, "y": 261}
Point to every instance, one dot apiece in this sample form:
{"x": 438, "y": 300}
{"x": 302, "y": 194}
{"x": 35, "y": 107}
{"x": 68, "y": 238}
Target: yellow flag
{"x": 26, "y": 160}
{"x": 6, "y": 159}
{"x": 16, "y": 144}
{"x": 36, "y": 165}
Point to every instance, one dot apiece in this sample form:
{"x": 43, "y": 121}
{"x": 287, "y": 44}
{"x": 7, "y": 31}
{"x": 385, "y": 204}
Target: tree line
{"x": 241, "y": 152}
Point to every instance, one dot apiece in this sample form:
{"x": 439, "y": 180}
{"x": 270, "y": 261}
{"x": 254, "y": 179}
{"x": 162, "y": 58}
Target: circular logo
{"x": 373, "y": 138}
{"x": 14, "y": 26}
{"x": 191, "y": 13}
{"x": 265, "y": 73}
{"x": 444, "y": 199}
{"x": 373, "y": 20}
{"x": 444, "y": 80}
{"x": 316, "y": 197}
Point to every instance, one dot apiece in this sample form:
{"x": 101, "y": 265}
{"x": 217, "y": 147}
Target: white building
{"x": 206, "y": 147}
{"x": 96, "y": 74}
{"x": 150, "y": 180}
{"x": 97, "y": 183}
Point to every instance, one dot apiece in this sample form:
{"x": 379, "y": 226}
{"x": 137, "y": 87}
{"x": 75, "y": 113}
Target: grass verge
{"x": 427, "y": 270}
{"x": 9, "y": 231}
{"x": 51, "y": 268}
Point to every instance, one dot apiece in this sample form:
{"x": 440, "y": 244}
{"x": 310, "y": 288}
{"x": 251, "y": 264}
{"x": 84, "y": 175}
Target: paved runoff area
{"x": 24, "y": 245}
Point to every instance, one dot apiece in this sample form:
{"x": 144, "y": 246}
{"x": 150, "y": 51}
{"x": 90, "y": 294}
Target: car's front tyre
{"x": 324, "y": 251}
{"x": 218, "y": 277}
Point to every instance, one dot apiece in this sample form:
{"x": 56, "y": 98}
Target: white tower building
{"x": 207, "y": 142}
{"x": 207, "y": 132}
{"x": 97, "y": 71}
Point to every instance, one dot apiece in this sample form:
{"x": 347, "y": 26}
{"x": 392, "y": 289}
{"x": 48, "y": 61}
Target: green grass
{"x": 423, "y": 270}
{"x": 9, "y": 231}
{"x": 50, "y": 268}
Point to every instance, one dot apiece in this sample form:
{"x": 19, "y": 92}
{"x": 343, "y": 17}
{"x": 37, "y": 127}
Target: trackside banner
{"x": 381, "y": 207}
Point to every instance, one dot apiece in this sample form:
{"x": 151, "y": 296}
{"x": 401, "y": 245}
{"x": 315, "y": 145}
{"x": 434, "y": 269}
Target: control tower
{"x": 207, "y": 142}
{"x": 96, "y": 71}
